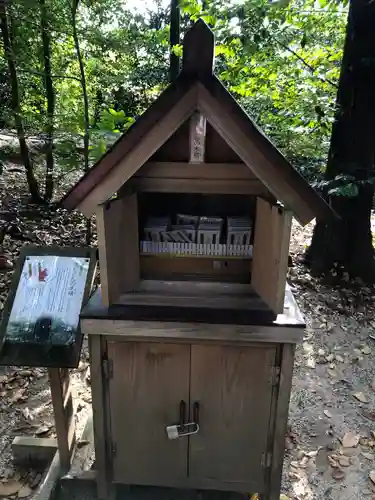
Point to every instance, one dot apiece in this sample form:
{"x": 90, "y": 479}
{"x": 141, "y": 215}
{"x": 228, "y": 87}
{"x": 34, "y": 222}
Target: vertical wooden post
{"x": 62, "y": 401}
{"x": 273, "y": 485}
{"x": 100, "y": 403}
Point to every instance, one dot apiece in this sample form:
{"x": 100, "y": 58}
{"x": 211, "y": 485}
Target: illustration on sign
{"x": 48, "y": 300}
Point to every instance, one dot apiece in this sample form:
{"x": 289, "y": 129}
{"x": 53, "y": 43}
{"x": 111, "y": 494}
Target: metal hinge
{"x": 266, "y": 460}
{"x": 274, "y": 375}
{"x": 107, "y": 368}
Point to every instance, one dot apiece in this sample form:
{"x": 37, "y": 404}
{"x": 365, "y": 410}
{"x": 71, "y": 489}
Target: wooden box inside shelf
{"x": 194, "y": 192}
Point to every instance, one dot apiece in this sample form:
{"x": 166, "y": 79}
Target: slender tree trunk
{"x": 51, "y": 99}
{"x": 174, "y": 39}
{"x": 86, "y": 137}
{"x": 346, "y": 245}
{"x": 16, "y": 107}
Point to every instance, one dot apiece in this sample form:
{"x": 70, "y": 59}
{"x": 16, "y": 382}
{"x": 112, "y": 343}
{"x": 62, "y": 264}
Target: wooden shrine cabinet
{"x": 193, "y": 329}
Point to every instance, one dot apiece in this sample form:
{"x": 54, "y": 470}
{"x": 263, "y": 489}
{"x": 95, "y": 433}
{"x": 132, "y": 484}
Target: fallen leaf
{"x": 338, "y": 474}
{"x": 43, "y": 429}
{"x": 339, "y": 358}
{"x": 284, "y": 497}
{"x": 327, "y": 414}
{"x": 372, "y": 476}
{"x": 9, "y": 488}
{"x": 25, "y": 491}
{"x": 310, "y": 363}
{"x": 330, "y": 358}
{"x": 369, "y": 414}
{"x": 344, "y": 461}
{"x": 332, "y": 373}
{"x": 332, "y": 461}
{"x": 369, "y": 456}
{"x": 321, "y": 352}
{"x": 366, "y": 349}
{"x": 350, "y": 440}
{"x": 322, "y": 460}
{"x": 312, "y": 454}
{"x": 17, "y": 396}
{"x": 360, "y": 396}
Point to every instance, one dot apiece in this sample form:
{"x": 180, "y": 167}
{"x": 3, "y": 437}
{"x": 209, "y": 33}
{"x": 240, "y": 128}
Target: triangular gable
{"x": 197, "y": 88}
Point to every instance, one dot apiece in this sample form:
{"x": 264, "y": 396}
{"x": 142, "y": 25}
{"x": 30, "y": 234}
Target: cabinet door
{"x": 232, "y": 387}
{"x": 149, "y": 381}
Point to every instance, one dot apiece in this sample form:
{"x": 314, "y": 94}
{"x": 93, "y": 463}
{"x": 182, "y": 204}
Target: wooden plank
{"x": 191, "y": 294}
{"x": 280, "y": 422}
{"x": 199, "y": 289}
{"x": 28, "y": 450}
{"x": 258, "y": 153}
{"x": 102, "y": 435}
{"x": 140, "y": 153}
{"x": 232, "y": 387}
{"x": 204, "y": 186}
{"x": 63, "y": 413}
{"x": 185, "y": 170}
{"x": 158, "y": 331}
{"x": 148, "y": 383}
{"x": 270, "y": 253}
{"x": 284, "y": 227}
{"x": 169, "y": 267}
{"x": 117, "y": 226}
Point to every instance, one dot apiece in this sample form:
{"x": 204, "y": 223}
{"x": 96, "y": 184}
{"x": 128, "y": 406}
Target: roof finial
{"x": 199, "y": 46}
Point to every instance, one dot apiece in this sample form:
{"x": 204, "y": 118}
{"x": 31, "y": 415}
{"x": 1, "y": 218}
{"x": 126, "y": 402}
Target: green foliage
{"x": 280, "y": 59}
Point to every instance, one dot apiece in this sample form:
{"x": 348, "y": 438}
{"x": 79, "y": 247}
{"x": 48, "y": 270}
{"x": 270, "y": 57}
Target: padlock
{"x": 172, "y": 432}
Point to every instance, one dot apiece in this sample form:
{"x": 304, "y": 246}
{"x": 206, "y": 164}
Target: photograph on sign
{"x": 48, "y": 300}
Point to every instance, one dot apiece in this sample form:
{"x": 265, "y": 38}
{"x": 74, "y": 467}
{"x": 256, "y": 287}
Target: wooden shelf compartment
{"x": 193, "y": 301}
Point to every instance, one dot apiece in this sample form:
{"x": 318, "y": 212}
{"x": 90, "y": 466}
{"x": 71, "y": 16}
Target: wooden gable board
{"x": 258, "y": 153}
{"x": 136, "y": 133}
{"x": 131, "y": 162}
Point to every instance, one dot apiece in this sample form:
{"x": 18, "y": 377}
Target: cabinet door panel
{"x": 232, "y": 387}
{"x": 149, "y": 381}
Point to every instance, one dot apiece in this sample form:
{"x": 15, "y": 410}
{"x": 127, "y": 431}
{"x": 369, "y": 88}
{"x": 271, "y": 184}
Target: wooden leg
{"x": 62, "y": 402}
{"x": 281, "y": 421}
{"x": 103, "y": 461}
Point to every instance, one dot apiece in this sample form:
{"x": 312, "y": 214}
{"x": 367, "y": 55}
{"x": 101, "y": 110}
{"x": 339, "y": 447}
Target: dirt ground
{"x": 331, "y": 439}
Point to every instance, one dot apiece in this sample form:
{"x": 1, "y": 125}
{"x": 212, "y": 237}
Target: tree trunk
{"x": 346, "y": 245}
{"x": 16, "y": 107}
{"x": 86, "y": 137}
{"x": 174, "y": 39}
{"x": 50, "y": 94}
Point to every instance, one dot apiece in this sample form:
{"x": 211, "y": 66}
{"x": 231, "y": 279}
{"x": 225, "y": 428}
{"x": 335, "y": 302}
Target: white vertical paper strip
{"x": 197, "y": 138}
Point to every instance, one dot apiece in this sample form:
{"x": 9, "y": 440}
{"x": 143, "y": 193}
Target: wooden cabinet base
{"x": 243, "y": 395}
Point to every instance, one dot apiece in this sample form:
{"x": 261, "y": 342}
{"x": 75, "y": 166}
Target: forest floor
{"x": 331, "y": 438}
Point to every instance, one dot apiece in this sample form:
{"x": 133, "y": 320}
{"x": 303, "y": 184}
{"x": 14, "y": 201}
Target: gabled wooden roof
{"x": 197, "y": 88}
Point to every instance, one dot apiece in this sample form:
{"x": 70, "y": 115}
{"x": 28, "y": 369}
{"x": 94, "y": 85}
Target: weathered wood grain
{"x": 149, "y": 381}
